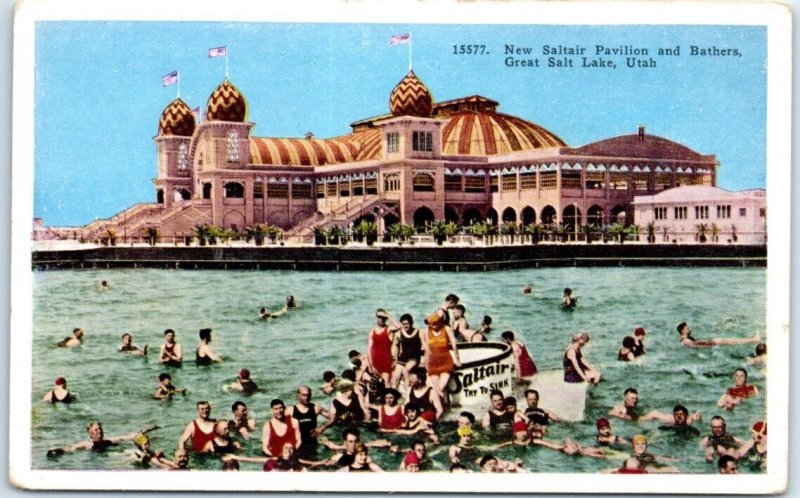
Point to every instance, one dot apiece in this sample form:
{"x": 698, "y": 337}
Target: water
{"x": 335, "y": 313}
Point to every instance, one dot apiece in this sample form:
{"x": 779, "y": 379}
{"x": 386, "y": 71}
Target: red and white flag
{"x": 170, "y": 79}
{"x": 196, "y": 113}
{"x": 400, "y": 39}
{"x": 218, "y": 52}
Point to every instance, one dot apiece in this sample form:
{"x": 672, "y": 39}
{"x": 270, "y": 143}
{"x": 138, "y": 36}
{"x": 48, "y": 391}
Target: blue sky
{"x": 98, "y": 94}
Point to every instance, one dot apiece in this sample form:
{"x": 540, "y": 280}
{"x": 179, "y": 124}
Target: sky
{"x": 99, "y": 94}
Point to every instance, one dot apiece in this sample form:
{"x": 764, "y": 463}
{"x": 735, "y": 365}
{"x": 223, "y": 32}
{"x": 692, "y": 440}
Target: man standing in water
{"x": 305, "y": 413}
{"x": 690, "y": 342}
{"x": 171, "y": 352}
{"x": 200, "y": 430}
{"x": 97, "y": 441}
{"x": 73, "y": 341}
{"x": 533, "y": 412}
{"x": 279, "y": 430}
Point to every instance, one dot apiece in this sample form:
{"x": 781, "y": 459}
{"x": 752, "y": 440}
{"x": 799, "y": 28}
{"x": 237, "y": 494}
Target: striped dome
{"x": 411, "y": 98}
{"x": 226, "y": 104}
{"x": 176, "y": 119}
{"x": 487, "y": 133}
{"x": 360, "y": 146}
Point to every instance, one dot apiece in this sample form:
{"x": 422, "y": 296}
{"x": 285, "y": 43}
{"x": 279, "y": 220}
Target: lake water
{"x": 335, "y": 312}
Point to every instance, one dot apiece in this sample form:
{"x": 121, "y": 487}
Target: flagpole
{"x": 179, "y": 84}
{"x": 410, "y": 44}
{"x": 226, "y": 63}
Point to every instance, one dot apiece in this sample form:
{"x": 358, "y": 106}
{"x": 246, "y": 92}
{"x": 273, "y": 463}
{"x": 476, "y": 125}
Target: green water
{"x": 335, "y": 313}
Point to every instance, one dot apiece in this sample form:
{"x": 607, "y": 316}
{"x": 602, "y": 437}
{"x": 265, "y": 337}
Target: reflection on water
{"x": 336, "y": 311}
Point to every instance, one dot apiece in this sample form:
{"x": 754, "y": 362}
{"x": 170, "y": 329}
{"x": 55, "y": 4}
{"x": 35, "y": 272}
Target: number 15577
{"x": 469, "y": 49}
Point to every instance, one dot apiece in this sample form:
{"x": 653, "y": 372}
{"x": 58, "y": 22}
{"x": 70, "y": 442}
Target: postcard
{"x": 542, "y": 245}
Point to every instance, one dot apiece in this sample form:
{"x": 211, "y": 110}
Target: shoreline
{"x": 402, "y": 258}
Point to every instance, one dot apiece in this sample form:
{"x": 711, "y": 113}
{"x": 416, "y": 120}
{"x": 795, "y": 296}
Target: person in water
{"x": 648, "y": 461}
{"x": 329, "y": 382}
{"x": 409, "y": 350}
{"x": 440, "y": 353}
{"x": 533, "y": 412}
{"x": 568, "y": 302}
{"x": 306, "y": 413}
{"x": 604, "y": 436}
{"x": 241, "y": 424}
{"x": 680, "y": 421}
{"x": 740, "y": 391}
{"x": 165, "y": 388}
{"x": 638, "y": 338}
{"x": 201, "y": 430}
{"x": 443, "y": 312}
{"x": 205, "y": 355}
{"x": 625, "y": 353}
{"x": 423, "y": 396}
{"x": 290, "y": 304}
{"x": 243, "y": 383}
{"x": 390, "y": 412}
{"x": 629, "y": 409}
{"x": 483, "y": 330}
{"x": 576, "y": 369}
{"x": 59, "y": 393}
{"x": 279, "y": 430}
{"x": 221, "y": 443}
{"x": 127, "y": 346}
{"x": 171, "y": 354}
{"x": 525, "y": 367}
{"x": 497, "y": 418}
{"x": 379, "y": 345}
{"x": 346, "y": 409}
{"x": 73, "y": 341}
{"x": 727, "y": 465}
{"x": 361, "y": 461}
{"x": 145, "y": 456}
{"x": 687, "y": 340}
{"x": 760, "y": 356}
{"x": 97, "y": 441}
{"x": 753, "y": 452}
{"x": 459, "y": 325}
{"x": 719, "y": 442}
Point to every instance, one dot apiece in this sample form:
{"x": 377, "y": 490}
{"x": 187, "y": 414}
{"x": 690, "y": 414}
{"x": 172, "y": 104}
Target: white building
{"x": 703, "y": 214}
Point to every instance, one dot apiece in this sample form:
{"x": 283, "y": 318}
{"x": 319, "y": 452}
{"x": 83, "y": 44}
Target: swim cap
{"x": 411, "y": 459}
{"x": 61, "y": 381}
{"x": 140, "y": 440}
{"x": 760, "y": 427}
{"x": 464, "y": 431}
{"x": 244, "y": 373}
{"x": 639, "y": 331}
{"x": 603, "y": 422}
{"x": 433, "y": 319}
{"x": 639, "y": 438}
{"x": 519, "y": 426}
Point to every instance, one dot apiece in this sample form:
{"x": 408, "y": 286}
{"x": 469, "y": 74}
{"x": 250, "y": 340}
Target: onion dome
{"x": 177, "y": 119}
{"x": 226, "y": 104}
{"x": 487, "y": 133}
{"x": 411, "y": 98}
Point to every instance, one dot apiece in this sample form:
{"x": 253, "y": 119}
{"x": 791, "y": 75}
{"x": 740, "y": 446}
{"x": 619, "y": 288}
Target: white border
{"x": 775, "y": 16}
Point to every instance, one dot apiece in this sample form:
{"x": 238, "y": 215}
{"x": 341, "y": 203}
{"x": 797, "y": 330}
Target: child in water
{"x": 568, "y": 302}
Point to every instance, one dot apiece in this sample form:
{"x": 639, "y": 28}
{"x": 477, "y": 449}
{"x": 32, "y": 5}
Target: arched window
{"x": 183, "y": 156}
{"x": 509, "y": 215}
{"x": 391, "y": 183}
{"x": 234, "y": 190}
{"x": 206, "y": 191}
{"x": 233, "y": 146}
{"x": 423, "y": 217}
{"x": 159, "y": 196}
{"x": 528, "y": 215}
{"x": 423, "y": 182}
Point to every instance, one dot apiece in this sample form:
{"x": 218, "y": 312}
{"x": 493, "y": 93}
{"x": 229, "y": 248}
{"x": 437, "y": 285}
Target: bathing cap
{"x": 639, "y": 438}
{"x": 244, "y": 373}
{"x": 433, "y": 319}
{"x": 61, "y": 381}
{"x": 603, "y": 422}
{"x": 140, "y": 440}
{"x": 638, "y": 331}
{"x": 760, "y": 427}
{"x": 464, "y": 431}
{"x": 411, "y": 459}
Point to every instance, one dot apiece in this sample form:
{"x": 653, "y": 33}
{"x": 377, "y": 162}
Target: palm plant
{"x": 702, "y": 230}
{"x": 651, "y": 232}
{"x": 715, "y": 232}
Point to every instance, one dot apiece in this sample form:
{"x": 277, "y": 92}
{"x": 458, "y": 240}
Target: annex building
{"x": 460, "y": 160}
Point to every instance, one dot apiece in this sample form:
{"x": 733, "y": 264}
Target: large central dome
{"x": 484, "y": 133}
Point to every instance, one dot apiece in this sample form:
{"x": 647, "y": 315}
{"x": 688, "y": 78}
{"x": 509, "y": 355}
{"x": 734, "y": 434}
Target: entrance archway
{"x": 528, "y": 216}
{"x": 471, "y": 216}
{"x": 548, "y": 216}
{"x": 509, "y": 215}
{"x": 423, "y": 217}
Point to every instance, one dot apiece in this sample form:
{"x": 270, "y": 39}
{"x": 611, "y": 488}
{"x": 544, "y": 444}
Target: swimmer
{"x": 104, "y": 285}
{"x": 204, "y": 355}
{"x": 525, "y": 366}
{"x": 760, "y": 356}
{"x": 279, "y": 430}
{"x": 491, "y": 464}
{"x": 625, "y": 353}
{"x": 568, "y": 302}
{"x": 145, "y": 456}
{"x": 379, "y": 345}
{"x": 413, "y": 424}
{"x": 440, "y": 353}
{"x": 290, "y": 304}
{"x": 59, "y": 393}
{"x": 410, "y": 463}
{"x": 201, "y": 430}
{"x": 576, "y": 369}
{"x": 390, "y": 412}
{"x": 638, "y": 337}
{"x": 463, "y": 451}
{"x": 97, "y": 441}
{"x": 533, "y": 412}
{"x": 680, "y": 417}
{"x": 719, "y": 442}
{"x": 687, "y": 340}
{"x": 180, "y": 460}
{"x": 345, "y": 409}
{"x": 423, "y": 396}
{"x": 740, "y": 391}
{"x": 727, "y": 465}
{"x": 306, "y": 413}
{"x": 287, "y": 461}
{"x": 416, "y": 458}
{"x": 127, "y": 346}
{"x": 497, "y": 418}
{"x": 165, "y": 388}
{"x": 629, "y": 466}
{"x": 527, "y": 289}
{"x": 450, "y": 301}
{"x": 409, "y": 350}
{"x": 171, "y": 354}
{"x": 73, "y": 341}
{"x": 754, "y": 451}
{"x": 459, "y": 324}
{"x": 629, "y": 409}
{"x": 604, "y": 437}
{"x": 221, "y": 443}
{"x": 329, "y": 382}
{"x": 484, "y": 329}
{"x": 346, "y": 451}
{"x": 243, "y": 383}
{"x": 361, "y": 461}
{"x": 648, "y": 461}
{"x": 240, "y": 423}
{"x": 263, "y": 313}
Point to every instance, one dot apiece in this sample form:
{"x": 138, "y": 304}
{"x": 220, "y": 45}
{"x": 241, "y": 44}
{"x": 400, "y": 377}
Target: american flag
{"x": 398, "y": 39}
{"x": 170, "y": 79}
{"x": 217, "y": 52}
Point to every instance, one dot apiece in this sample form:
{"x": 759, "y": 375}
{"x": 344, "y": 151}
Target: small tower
{"x": 175, "y": 129}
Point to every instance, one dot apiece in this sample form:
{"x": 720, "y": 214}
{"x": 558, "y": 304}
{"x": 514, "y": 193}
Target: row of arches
{"x": 570, "y": 216}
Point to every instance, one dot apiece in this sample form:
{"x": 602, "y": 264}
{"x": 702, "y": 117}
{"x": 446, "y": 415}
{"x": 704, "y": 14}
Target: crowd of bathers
{"x": 397, "y": 392}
